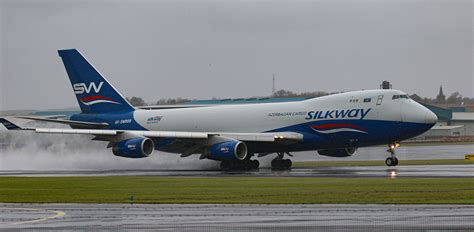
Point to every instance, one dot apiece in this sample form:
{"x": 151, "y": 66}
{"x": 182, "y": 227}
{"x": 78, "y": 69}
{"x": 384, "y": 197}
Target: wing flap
{"x": 264, "y": 137}
{"x": 75, "y": 131}
{"x": 173, "y": 134}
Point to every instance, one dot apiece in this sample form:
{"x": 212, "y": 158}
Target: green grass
{"x": 229, "y": 190}
{"x": 379, "y": 163}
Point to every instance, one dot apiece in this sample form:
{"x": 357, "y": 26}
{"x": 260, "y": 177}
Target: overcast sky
{"x": 204, "y": 49}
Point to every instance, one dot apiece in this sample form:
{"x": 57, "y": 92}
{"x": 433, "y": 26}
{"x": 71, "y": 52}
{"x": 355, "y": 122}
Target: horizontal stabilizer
{"x": 9, "y": 125}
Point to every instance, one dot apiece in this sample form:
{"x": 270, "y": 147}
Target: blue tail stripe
{"x": 93, "y": 92}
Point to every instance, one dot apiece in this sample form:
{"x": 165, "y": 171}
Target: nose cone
{"x": 416, "y": 119}
{"x": 417, "y": 113}
{"x": 430, "y": 117}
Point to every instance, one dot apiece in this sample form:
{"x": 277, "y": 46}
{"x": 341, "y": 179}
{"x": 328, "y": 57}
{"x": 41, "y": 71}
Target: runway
{"x": 358, "y": 171}
{"x": 235, "y": 217}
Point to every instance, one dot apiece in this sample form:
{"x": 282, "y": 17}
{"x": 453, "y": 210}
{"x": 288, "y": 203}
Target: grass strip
{"x": 379, "y": 163}
{"x": 230, "y": 190}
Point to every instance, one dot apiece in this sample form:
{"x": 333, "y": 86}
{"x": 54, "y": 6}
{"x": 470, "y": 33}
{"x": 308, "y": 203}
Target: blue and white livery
{"x": 334, "y": 125}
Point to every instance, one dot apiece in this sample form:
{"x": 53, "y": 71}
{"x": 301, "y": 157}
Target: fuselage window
{"x": 367, "y": 99}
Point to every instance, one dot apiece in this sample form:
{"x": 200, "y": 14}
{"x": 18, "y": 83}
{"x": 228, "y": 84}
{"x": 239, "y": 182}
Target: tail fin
{"x": 93, "y": 92}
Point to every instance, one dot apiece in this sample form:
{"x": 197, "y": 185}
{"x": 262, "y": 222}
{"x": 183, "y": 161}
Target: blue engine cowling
{"x": 341, "y": 152}
{"x": 231, "y": 150}
{"x": 134, "y": 148}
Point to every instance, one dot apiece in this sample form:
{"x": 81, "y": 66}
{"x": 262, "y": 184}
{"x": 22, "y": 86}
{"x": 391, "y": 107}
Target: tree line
{"x": 454, "y": 98}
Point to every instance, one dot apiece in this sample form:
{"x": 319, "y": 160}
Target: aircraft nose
{"x": 430, "y": 117}
{"x": 417, "y": 113}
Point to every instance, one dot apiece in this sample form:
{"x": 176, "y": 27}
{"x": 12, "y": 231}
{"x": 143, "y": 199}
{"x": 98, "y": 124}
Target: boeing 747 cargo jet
{"x": 334, "y": 125}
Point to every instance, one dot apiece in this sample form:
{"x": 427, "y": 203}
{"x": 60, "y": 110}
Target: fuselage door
{"x": 379, "y": 100}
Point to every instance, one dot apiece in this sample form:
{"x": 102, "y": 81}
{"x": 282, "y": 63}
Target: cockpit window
{"x": 400, "y": 96}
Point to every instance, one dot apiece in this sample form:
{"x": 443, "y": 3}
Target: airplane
{"x": 334, "y": 125}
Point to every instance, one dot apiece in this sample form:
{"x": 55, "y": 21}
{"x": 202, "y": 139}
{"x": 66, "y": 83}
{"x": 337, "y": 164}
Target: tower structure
{"x": 441, "y": 98}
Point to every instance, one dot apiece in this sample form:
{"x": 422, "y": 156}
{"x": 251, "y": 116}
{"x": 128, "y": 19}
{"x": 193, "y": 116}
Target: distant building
{"x": 441, "y": 98}
{"x": 465, "y": 119}
{"x": 452, "y": 122}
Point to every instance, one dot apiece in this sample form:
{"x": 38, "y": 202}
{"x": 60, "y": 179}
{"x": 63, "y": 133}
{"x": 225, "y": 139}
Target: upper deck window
{"x": 367, "y": 99}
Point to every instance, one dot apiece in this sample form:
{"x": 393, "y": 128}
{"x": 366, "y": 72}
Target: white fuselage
{"x": 271, "y": 116}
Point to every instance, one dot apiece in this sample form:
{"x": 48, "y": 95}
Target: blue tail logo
{"x": 93, "y": 92}
{"x": 81, "y": 88}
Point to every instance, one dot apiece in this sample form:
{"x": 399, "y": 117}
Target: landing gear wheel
{"x": 281, "y": 164}
{"x": 242, "y": 165}
{"x": 254, "y": 164}
{"x": 226, "y": 165}
{"x": 391, "y": 161}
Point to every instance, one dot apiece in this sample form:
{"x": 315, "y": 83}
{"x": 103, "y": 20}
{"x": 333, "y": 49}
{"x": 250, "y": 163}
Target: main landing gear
{"x": 392, "y": 160}
{"x": 281, "y": 164}
{"x": 243, "y": 165}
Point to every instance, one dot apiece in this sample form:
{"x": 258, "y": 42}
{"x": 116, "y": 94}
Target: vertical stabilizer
{"x": 93, "y": 92}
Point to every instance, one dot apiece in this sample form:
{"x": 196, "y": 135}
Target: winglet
{"x": 9, "y": 125}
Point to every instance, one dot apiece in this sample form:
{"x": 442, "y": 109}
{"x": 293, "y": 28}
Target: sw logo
{"x": 81, "y": 88}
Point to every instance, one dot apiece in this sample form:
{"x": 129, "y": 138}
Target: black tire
{"x": 395, "y": 163}
{"x": 281, "y": 164}
{"x": 234, "y": 165}
{"x": 254, "y": 164}
{"x": 275, "y": 163}
{"x": 246, "y": 165}
{"x": 225, "y": 165}
{"x": 389, "y": 162}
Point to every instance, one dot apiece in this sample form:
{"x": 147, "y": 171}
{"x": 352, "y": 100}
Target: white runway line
{"x": 57, "y": 214}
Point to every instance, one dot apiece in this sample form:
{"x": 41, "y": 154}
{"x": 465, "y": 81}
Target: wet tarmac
{"x": 59, "y": 217}
{"x": 52, "y": 217}
{"x": 358, "y": 171}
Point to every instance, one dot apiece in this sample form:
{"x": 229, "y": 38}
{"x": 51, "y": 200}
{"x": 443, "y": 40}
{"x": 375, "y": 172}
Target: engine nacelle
{"x": 134, "y": 148}
{"x": 341, "y": 152}
{"x": 231, "y": 150}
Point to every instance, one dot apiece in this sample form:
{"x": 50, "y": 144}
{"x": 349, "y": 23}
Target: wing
{"x": 68, "y": 122}
{"x": 186, "y": 143}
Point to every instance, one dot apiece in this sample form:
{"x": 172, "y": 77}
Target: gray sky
{"x": 204, "y": 49}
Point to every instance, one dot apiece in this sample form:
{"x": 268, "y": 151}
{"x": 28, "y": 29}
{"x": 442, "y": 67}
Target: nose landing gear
{"x": 392, "y": 160}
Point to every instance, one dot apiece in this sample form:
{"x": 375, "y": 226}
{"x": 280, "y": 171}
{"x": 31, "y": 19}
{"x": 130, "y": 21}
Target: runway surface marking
{"x": 211, "y": 217}
{"x": 57, "y": 214}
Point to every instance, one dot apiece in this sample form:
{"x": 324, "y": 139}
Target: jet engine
{"x": 134, "y": 148}
{"x": 231, "y": 150}
{"x": 340, "y": 152}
